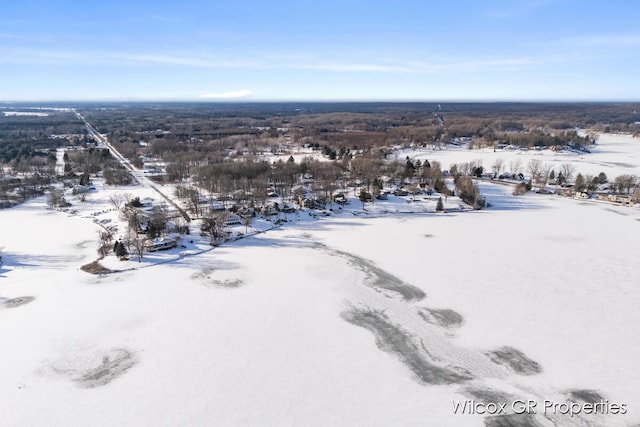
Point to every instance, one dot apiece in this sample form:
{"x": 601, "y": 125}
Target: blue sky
{"x": 320, "y": 50}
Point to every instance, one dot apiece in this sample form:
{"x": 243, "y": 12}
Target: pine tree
{"x": 602, "y": 178}
{"x": 121, "y": 250}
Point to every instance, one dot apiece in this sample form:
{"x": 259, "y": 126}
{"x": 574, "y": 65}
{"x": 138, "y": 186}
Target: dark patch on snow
{"x": 205, "y": 277}
{"x": 622, "y": 165}
{"x": 587, "y": 396}
{"x": 114, "y": 363}
{"x": 229, "y": 283}
{"x": 516, "y": 360}
{"x": 84, "y": 244}
{"x": 380, "y": 279}
{"x": 428, "y": 235}
{"x": 393, "y": 339}
{"x": 616, "y": 212}
{"x": 94, "y": 369}
{"x": 95, "y": 268}
{"x": 17, "y": 302}
{"x": 513, "y": 420}
{"x": 441, "y": 317}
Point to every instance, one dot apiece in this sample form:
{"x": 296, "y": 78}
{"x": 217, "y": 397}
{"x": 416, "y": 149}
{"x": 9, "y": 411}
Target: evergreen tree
{"x": 602, "y": 178}
{"x": 439, "y": 205}
{"x": 121, "y": 251}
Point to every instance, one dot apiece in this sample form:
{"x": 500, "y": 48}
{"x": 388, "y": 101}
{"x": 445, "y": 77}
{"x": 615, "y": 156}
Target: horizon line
{"x": 327, "y": 101}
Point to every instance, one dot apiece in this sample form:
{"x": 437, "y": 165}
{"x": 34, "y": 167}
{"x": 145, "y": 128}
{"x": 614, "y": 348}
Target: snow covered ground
{"x": 613, "y": 154}
{"x": 348, "y": 320}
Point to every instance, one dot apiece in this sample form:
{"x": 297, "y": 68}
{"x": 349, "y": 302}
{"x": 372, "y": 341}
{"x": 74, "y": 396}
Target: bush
{"x": 521, "y": 189}
{"x": 469, "y": 192}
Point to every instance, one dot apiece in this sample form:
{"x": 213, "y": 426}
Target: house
{"x": 626, "y": 199}
{"x": 269, "y": 210}
{"x": 233, "y": 219}
{"x": 340, "y": 199}
{"x": 287, "y": 208}
{"x": 215, "y": 205}
{"x": 161, "y": 243}
{"x": 413, "y": 190}
{"x": 146, "y": 203}
{"x": 305, "y": 202}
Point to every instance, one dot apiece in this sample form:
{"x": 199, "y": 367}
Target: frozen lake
{"x": 342, "y": 321}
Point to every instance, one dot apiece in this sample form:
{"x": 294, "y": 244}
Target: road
{"x": 137, "y": 174}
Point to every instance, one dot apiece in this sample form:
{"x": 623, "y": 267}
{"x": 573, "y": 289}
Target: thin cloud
{"x": 265, "y": 62}
{"x": 234, "y": 94}
{"x": 350, "y": 67}
{"x": 189, "y": 61}
{"x": 605, "y": 40}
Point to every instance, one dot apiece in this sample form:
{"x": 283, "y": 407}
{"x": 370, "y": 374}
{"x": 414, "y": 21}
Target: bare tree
{"x": 246, "y": 221}
{"x": 567, "y": 170}
{"x": 192, "y": 196}
{"x": 545, "y": 174}
{"x": 105, "y": 237}
{"x": 497, "y": 166}
{"x": 56, "y": 197}
{"x": 591, "y": 182}
{"x": 534, "y": 167}
{"x": 117, "y": 200}
{"x": 132, "y": 216}
{"x": 516, "y": 166}
{"x": 81, "y": 192}
{"x": 158, "y": 220}
{"x": 214, "y": 225}
{"x": 465, "y": 168}
{"x": 625, "y": 183}
{"x": 136, "y": 243}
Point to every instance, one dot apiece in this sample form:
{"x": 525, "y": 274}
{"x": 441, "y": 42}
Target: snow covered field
{"x": 613, "y": 154}
{"x": 342, "y": 321}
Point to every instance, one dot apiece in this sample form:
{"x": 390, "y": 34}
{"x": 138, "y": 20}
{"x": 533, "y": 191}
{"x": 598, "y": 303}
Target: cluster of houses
{"x": 615, "y": 198}
{"x": 621, "y": 199}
